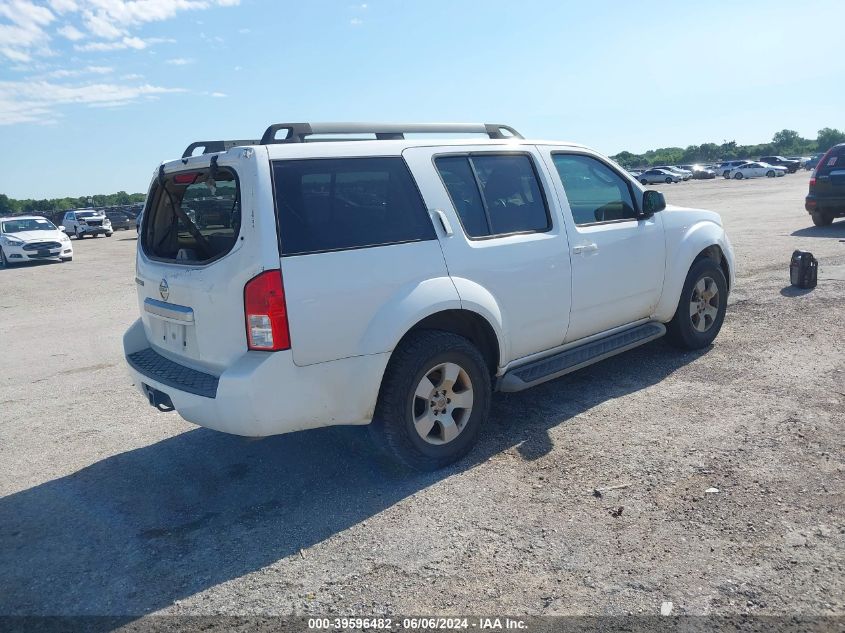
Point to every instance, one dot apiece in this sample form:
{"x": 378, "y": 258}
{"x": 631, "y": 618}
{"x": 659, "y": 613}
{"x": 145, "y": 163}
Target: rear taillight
{"x": 265, "y": 312}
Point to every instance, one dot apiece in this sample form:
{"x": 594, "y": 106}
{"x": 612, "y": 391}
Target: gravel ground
{"x": 108, "y": 507}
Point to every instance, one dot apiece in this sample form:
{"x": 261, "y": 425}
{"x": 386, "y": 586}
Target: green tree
{"x": 828, "y": 137}
{"x": 785, "y": 140}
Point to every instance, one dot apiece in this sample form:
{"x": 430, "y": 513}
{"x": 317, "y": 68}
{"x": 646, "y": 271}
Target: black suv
{"x": 826, "y": 198}
{"x": 791, "y": 165}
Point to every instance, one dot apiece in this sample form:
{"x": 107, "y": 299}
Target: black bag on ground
{"x": 803, "y": 269}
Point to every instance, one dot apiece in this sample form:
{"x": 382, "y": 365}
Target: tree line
{"x": 10, "y": 206}
{"x": 784, "y": 143}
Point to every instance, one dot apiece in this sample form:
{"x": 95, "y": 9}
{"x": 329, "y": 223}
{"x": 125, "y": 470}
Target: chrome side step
{"x": 575, "y": 358}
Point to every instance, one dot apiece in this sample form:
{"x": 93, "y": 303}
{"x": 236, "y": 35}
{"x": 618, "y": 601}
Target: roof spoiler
{"x": 211, "y": 147}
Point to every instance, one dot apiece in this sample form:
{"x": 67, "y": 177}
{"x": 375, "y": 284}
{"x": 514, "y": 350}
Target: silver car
{"x": 651, "y": 176}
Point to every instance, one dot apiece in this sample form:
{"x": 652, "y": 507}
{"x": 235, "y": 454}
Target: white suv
{"x": 84, "y": 222}
{"x": 289, "y": 285}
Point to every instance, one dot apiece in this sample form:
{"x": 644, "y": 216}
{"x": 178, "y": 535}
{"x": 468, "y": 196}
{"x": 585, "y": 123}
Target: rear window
{"x": 834, "y": 160}
{"x": 337, "y": 204}
{"x": 193, "y": 218}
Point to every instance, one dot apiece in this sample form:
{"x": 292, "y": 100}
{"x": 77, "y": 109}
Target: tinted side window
{"x": 457, "y": 175}
{"x": 343, "y": 203}
{"x": 595, "y": 192}
{"x": 495, "y": 194}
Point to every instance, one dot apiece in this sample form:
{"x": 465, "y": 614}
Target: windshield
{"x": 28, "y": 224}
{"x": 87, "y": 214}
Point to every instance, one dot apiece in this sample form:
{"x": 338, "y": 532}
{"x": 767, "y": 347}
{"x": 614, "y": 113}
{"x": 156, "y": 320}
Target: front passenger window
{"x": 595, "y": 192}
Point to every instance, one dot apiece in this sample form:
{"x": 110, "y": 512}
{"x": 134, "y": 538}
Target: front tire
{"x": 701, "y": 307}
{"x": 738, "y": 176}
{"x": 79, "y": 235}
{"x": 822, "y": 219}
{"x": 668, "y": 180}
{"x": 4, "y": 263}
{"x": 108, "y": 234}
{"x": 643, "y": 181}
{"x": 433, "y": 402}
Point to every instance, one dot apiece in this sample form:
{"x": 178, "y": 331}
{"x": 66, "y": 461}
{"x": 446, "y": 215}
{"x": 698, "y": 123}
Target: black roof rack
{"x": 210, "y": 147}
{"x": 298, "y": 132}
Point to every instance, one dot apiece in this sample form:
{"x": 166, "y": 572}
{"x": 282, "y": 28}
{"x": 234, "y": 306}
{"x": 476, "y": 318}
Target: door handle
{"x": 585, "y": 248}
{"x": 444, "y": 221}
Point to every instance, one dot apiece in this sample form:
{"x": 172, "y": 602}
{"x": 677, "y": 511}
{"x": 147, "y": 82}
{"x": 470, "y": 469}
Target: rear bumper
{"x": 261, "y": 393}
{"x": 834, "y": 205}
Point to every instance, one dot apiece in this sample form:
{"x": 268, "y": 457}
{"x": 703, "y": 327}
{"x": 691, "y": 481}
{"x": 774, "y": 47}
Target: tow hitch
{"x": 159, "y": 399}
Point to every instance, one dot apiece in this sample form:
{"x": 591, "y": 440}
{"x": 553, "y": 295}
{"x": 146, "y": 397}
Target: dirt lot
{"x": 108, "y": 507}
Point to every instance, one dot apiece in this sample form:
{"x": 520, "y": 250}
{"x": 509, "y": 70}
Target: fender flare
{"x": 694, "y": 240}
{"x": 421, "y": 300}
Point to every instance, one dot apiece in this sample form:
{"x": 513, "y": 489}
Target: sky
{"x": 94, "y": 94}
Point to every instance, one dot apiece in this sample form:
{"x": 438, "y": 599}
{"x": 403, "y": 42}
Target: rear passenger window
{"x": 595, "y": 192}
{"x": 495, "y": 194}
{"x": 344, "y": 203}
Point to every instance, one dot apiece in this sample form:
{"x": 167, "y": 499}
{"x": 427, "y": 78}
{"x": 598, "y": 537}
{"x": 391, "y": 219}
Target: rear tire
{"x": 644, "y": 181}
{"x": 822, "y": 219}
{"x": 108, "y": 234}
{"x": 416, "y": 422}
{"x": 701, "y": 307}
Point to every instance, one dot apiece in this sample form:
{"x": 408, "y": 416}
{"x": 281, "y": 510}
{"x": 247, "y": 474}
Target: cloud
{"x": 219, "y": 94}
{"x": 179, "y": 61}
{"x": 63, "y": 6}
{"x": 110, "y": 23}
{"x": 135, "y": 43}
{"x": 37, "y": 101}
{"x": 356, "y": 21}
{"x": 71, "y": 32}
{"x": 63, "y": 73}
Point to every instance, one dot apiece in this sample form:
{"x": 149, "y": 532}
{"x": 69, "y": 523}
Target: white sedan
{"x": 756, "y": 170}
{"x": 29, "y": 238}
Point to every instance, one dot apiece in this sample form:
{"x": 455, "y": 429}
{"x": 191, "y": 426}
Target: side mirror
{"x": 61, "y": 227}
{"x": 653, "y": 201}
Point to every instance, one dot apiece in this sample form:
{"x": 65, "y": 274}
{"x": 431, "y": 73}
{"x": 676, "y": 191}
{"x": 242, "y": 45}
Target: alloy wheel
{"x": 704, "y": 304}
{"x": 442, "y": 403}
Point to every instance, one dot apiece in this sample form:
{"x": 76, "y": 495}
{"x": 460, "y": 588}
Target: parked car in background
{"x": 813, "y": 161}
{"x": 791, "y": 165}
{"x": 826, "y": 197}
{"x": 26, "y": 238}
{"x": 378, "y": 307}
{"x": 120, "y": 220}
{"x": 756, "y": 170}
{"x": 138, "y": 220}
{"x": 655, "y": 175}
{"x": 725, "y": 167}
{"x": 87, "y": 222}
{"x": 699, "y": 172}
{"x": 683, "y": 173}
